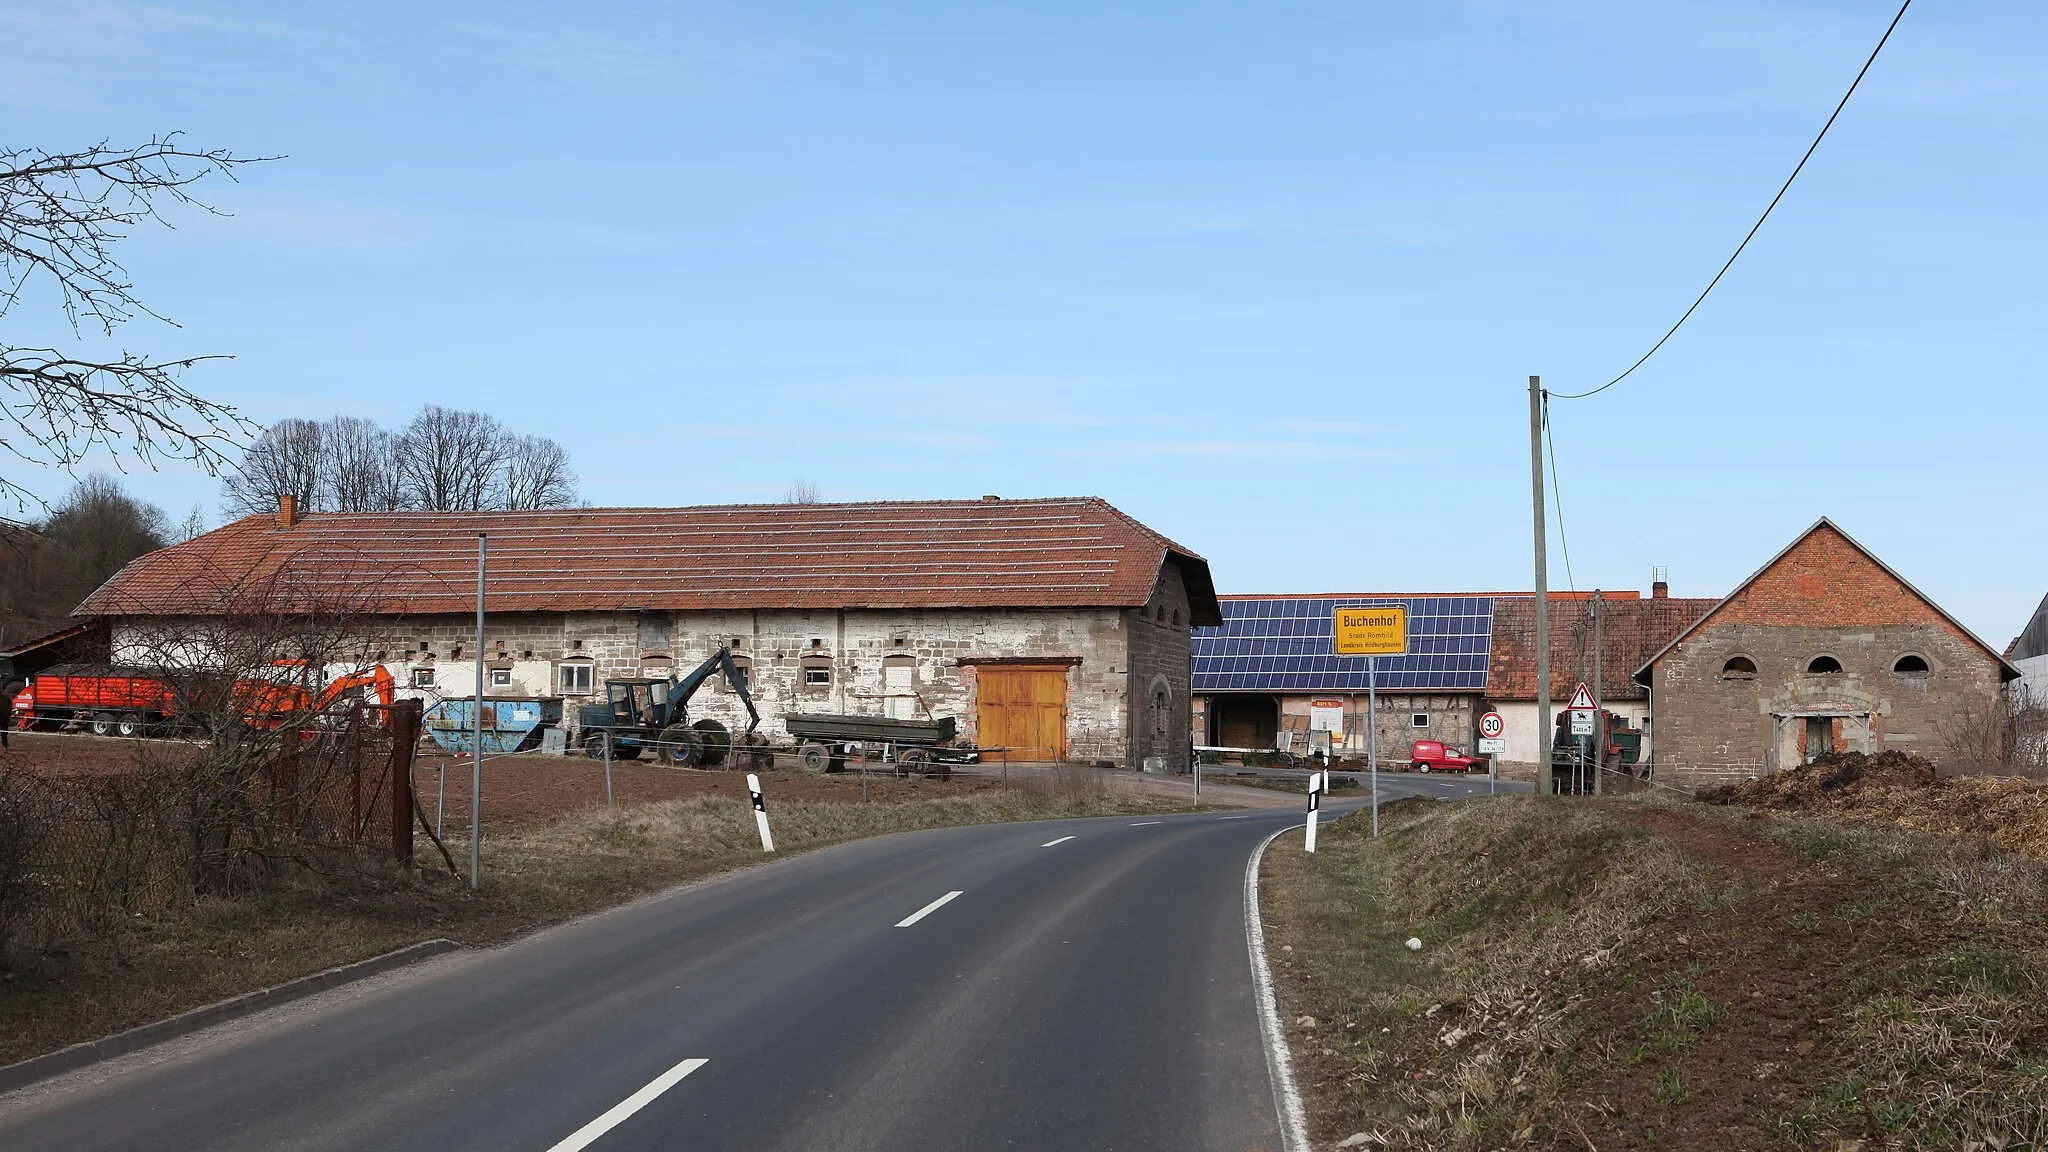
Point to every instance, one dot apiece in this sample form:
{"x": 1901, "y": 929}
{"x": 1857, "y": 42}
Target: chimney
{"x": 287, "y": 510}
{"x": 1659, "y": 590}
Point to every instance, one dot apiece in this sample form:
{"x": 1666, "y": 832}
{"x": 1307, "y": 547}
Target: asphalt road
{"x": 1087, "y": 988}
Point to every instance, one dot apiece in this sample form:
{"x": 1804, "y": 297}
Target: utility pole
{"x": 476, "y": 753}
{"x": 1599, "y": 705}
{"x": 1544, "y": 735}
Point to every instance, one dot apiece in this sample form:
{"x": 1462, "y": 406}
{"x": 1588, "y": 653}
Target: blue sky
{"x": 1270, "y": 277}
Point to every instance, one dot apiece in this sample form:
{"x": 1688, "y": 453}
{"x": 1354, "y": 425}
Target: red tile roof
{"x": 1631, "y": 631}
{"x": 1052, "y": 553}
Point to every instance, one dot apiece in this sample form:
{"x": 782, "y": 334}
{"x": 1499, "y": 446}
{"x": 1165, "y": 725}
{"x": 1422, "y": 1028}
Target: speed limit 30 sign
{"x": 1492, "y": 739}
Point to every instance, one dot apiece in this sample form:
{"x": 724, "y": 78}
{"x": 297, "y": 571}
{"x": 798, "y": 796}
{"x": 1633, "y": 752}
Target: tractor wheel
{"x": 717, "y": 741}
{"x": 103, "y": 723}
{"x": 680, "y": 746}
{"x": 815, "y": 758}
{"x": 594, "y": 744}
{"x": 131, "y": 724}
{"x": 913, "y": 762}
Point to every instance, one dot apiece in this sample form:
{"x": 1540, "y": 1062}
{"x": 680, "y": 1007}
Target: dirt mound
{"x": 1894, "y": 790}
{"x": 1837, "y": 780}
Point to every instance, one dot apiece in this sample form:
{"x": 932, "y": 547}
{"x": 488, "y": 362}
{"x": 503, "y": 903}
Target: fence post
{"x": 404, "y": 718}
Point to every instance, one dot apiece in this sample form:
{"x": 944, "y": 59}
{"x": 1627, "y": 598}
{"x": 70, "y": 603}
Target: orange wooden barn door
{"x": 1024, "y": 709}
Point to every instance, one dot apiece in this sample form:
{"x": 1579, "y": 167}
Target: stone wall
{"x": 1161, "y": 674}
{"x": 1712, "y": 727}
{"x": 900, "y": 663}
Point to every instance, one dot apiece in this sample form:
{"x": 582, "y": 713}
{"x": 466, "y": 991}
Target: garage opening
{"x": 1245, "y": 721}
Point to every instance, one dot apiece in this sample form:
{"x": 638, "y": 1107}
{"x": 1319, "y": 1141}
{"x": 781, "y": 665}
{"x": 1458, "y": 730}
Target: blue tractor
{"x": 652, "y": 717}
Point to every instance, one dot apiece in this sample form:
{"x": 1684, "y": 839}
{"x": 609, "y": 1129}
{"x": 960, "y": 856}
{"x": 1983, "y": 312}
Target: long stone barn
{"x": 1055, "y": 627}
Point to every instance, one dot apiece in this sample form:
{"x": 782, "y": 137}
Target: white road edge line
{"x": 1061, "y": 840}
{"x": 1147, "y": 823}
{"x": 920, "y": 914}
{"x": 582, "y": 1137}
{"x": 1279, "y": 1063}
{"x": 1233, "y": 817}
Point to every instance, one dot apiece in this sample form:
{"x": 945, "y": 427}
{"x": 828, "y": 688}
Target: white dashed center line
{"x": 927, "y": 910}
{"x": 1146, "y": 823}
{"x": 1061, "y": 840}
{"x": 582, "y": 1137}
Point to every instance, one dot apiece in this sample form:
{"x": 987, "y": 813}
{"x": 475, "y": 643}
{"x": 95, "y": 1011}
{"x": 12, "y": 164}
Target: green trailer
{"x": 922, "y": 746}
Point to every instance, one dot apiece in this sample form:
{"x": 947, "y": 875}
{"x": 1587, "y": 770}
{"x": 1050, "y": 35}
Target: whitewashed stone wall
{"x": 858, "y": 646}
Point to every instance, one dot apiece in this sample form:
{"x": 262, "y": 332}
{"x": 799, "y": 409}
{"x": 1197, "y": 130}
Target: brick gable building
{"x": 1825, "y": 648}
{"x": 1058, "y": 627}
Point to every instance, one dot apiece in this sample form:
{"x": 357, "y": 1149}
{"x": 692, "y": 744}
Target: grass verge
{"x": 158, "y": 965}
{"x": 1626, "y": 974}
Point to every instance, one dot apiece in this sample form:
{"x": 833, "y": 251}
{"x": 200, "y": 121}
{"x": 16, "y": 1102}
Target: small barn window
{"x": 1739, "y": 668}
{"x": 817, "y": 671}
{"x": 1418, "y": 720}
{"x": 1824, "y": 665}
{"x": 573, "y": 678}
{"x": 423, "y": 677}
{"x": 1910, "y": 665}
{"x": 1176, "y": 617}
{"x": 817, "y": 675}
{"x": 501, "y": 677}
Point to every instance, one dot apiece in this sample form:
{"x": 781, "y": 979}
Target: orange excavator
{"x": 271, "y": 704}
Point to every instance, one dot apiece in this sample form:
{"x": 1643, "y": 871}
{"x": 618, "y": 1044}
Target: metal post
{"x": 760, "y": 812}
{"x": 607, "y": 739}
{"x": 1544, "y": 735}
{"x": 1316, "y": 783}
{"x": 1372, "y": 735}
{"x": 476, "y": 754}
{"x": 1599, "y": 706}
{"x": 1197, "y": 763}
{"x": 441, "y": 798}
{"x": 1492, "y": 773}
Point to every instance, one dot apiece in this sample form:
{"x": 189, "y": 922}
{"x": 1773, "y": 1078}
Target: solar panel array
{"x": 1284, "y": 644}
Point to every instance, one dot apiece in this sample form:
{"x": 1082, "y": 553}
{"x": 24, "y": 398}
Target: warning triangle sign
{"x": 1582, "y": 700}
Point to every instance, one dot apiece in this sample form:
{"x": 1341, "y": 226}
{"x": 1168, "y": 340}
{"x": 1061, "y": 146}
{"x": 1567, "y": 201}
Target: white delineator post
{"x": 760, "y": 812}
{"x": 1316, "y": 784}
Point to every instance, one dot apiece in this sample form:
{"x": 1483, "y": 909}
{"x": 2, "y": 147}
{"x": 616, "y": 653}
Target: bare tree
{"x": 801, "y": 492}
{"x": 537, "y": 474}
{"x": 451, "y": 461}
{"x": 60, "y": 216}
{"x": 359, "y": 467}
{"x": 284, "y": 461}
{"x": 193, "y": 525}
{"x": 93, "y": 532}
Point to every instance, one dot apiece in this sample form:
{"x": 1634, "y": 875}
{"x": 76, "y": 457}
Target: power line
{"x": 1557, "y": 496}
{"x": 1759, "y": 220}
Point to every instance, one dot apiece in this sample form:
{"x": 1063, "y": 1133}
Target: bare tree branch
{"x": 61, "y": 214}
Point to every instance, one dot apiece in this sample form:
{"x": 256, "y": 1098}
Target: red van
{"x": 1433, "y": 756}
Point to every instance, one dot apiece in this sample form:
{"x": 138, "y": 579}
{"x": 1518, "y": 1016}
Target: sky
{"x": 1271, "y": 278}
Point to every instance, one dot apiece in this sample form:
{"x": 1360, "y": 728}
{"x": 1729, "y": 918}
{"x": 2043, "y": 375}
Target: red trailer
{"x": 105, "y": 701}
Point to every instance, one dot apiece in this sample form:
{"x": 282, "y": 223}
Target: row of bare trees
{"x": 443, "y": 460}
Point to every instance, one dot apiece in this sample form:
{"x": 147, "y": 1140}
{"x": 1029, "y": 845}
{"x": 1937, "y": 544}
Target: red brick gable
{"x": 1824, "y": 579}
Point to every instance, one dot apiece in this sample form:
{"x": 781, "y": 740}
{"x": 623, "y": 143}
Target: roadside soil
{"x": 1619, "y": 975}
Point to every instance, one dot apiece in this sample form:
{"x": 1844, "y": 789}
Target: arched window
{"x": 1739, "y": 668}
{"x": 1910, "y": 665}
{"x": 1824, "y": 664}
